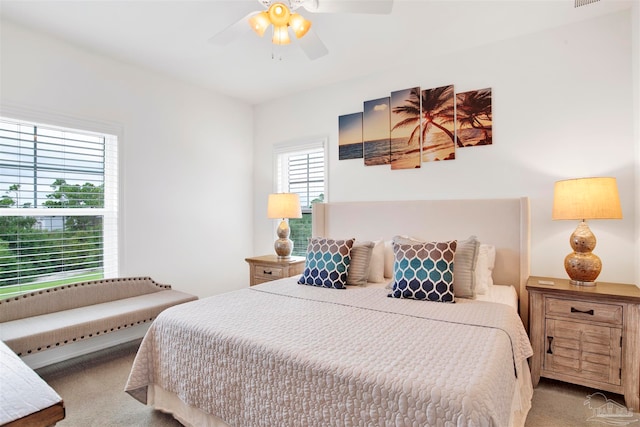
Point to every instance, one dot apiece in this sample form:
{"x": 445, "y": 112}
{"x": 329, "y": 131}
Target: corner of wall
{"x": 635, "y": 68}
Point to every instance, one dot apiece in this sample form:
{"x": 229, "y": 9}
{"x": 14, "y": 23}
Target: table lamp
{"x": 582, "y": 199}
{"x": 283, "y": 206}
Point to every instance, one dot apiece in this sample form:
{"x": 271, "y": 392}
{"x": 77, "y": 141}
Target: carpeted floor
{"x": 92, "y": 389}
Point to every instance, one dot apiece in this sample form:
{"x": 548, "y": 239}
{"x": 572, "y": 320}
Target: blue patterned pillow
{"x": 464, "y": 271}
{"x": 424, "y": 271}
{"x": 327, "y": 263}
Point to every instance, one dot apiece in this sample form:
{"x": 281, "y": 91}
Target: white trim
{"x": 301, "y": 144}
{"x": 32, "y": 114}
{"x": 52, "y": 212}
{"x": 79, "y": 348}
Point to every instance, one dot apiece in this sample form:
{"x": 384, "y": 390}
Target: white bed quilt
{"x": 287, "y": 354}
{"x": 23, "y": 391}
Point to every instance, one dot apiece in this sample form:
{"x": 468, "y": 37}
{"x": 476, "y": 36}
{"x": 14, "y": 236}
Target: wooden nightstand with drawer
{"x": 586, "y": 335}
{"x": 269, "y": 267}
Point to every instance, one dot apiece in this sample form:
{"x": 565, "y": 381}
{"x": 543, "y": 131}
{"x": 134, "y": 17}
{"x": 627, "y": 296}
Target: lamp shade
{"x": 280, "y": 35}
{"x": 586, "y": 198}
{"x": 299, "y": 25}
{"x": 260, "y": 22}
{"x": 279, "y": 14}
{"x": 284, "y": 205}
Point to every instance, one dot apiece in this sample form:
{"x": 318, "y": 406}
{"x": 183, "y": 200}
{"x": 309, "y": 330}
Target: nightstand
{"x": 270, "y": 267}
{"x": 586, "y": 335}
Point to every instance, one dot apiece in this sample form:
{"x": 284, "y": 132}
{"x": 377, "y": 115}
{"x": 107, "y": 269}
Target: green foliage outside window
{"x": 301, "y": 229}
{"x": 29, "y": 251}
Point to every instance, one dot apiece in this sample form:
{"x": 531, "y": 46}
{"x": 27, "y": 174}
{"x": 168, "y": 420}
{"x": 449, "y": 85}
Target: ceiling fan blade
{"x": 312, "y": 46}
{"x": 380, "y": 7}
{"x": 233, "y": 31}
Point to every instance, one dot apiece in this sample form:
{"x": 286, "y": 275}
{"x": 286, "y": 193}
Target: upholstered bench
{"x": 53, "y": 317}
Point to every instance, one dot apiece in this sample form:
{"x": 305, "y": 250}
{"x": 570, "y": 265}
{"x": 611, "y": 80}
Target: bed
{"x": 282, "y": 353}
{"x": 27, "y": 400}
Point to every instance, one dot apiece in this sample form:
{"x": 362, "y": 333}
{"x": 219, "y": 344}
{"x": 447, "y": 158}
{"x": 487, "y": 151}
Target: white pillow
{"x": 484, "y": 268}
{"x": 388, "y": 259}
{"x": 491, "y": 254}
{"x": 376, "y": 265}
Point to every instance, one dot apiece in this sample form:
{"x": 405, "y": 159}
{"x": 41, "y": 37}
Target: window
{"x": 58, "y": 206}
{"x": 300, "y": 168}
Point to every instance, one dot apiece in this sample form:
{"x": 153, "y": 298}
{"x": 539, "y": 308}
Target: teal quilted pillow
{"x": 327, "y": 263}
{"x": 424, "y": 271}
{"x": 464, "y": 270}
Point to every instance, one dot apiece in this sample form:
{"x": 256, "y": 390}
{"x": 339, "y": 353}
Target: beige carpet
{"x": 92, "y": 389}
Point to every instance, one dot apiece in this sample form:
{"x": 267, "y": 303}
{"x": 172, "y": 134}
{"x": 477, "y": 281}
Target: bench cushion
{"x": 76, "y": 295}
{"x": 37, "y": 333}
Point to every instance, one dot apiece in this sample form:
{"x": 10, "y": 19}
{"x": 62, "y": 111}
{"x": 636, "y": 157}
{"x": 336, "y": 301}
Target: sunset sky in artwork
{"x": 350, "y": 129}
{"x": 376, "y": 120}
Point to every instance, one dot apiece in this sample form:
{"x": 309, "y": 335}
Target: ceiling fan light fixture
{"x": 259, "y": 23}
{"x": 279, "y": 14}
{"x": 299, "y": 24}
{"x": 280, "y": 35}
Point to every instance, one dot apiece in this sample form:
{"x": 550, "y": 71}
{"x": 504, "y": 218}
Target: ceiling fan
{"x": 281, "y": 16}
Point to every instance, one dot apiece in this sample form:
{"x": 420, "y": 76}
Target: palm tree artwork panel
{"x": 413, "y": 126}
{"x": 350, "y": 136}
{"x": 438, "y": 124}
{"x": 376, "y": 132}
{"x": 474, "y": 118}
{"x": 405, "y": 129}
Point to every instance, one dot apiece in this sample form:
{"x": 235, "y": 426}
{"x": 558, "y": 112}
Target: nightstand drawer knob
{"x": 269, "y": 272}
{"x": 575, "y": 310}
{"x": 550, "y": 339}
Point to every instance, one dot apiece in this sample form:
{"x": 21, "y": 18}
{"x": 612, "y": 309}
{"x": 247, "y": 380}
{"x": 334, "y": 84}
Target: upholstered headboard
{"x": 500, "y": 222}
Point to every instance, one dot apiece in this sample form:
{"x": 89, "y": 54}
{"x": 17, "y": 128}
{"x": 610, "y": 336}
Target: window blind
{"x": 306, "y": 177}
{"x": 58, "y": 206}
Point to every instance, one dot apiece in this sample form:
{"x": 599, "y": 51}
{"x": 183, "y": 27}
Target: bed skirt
{"x": 189, "y": 416}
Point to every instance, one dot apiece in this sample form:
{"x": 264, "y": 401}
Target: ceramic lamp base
{"x": 283, "y": 248}
{"x": 284, "y": 245}
{"x": 583, "y": 266}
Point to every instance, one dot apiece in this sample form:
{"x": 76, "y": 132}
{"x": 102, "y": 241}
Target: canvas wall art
{"x": 405, "y": 128}
{"x": 350, "y": 136}
{"x": 473, "y": 118}
{"x": 376, "y": 132}
{"x": 413, "y": 126}
{"x": 438, "y": 124}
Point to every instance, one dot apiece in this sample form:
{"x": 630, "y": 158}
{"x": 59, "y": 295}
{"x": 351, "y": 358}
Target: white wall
{"x": 562, "y": 108}
{"x": 186, "y": 156}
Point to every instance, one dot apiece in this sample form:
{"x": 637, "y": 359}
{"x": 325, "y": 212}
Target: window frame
{"x": 298, "y": 147}
{"x": 111, "y": 226}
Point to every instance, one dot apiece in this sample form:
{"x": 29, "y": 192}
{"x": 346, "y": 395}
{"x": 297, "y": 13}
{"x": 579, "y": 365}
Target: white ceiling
{"x": 171, "y": 36}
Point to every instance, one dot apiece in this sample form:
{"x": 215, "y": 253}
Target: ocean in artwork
{"x": 438, "y": 146}
{"x": 350, "y": 136}
{"x": 403, "y": 154}
{"x": 350, "y": 151}
{"x": 471, "y": 136}
{"x": 377, "y": 152}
